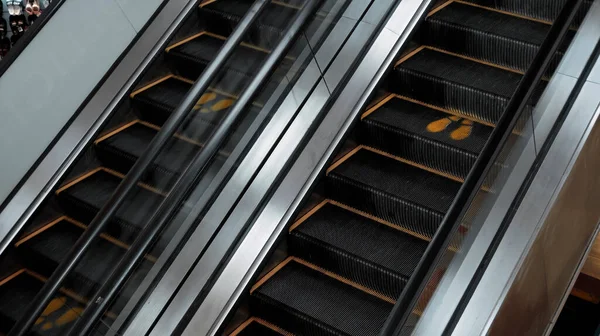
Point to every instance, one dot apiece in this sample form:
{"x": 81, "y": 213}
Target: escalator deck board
{"x": 300, "y": 293}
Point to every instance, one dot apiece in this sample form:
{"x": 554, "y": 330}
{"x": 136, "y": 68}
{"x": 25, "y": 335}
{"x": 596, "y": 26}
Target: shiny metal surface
{"x": 51, "y": 169}
{"x": 271, "y": 220}
{"x": 490, "y": 216}
{"x": 529, "y": 260}
{"x": 178, "y": 269}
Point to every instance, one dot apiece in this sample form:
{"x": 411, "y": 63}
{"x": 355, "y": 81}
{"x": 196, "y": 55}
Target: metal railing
{"x": 483, "y": 165}
{"x": 194, "y": 169}
{"x": 101, "y": 299}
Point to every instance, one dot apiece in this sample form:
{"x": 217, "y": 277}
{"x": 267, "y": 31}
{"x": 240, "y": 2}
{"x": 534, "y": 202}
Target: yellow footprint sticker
{"x": 460, "y": 133}
{"x": 66, "y": 317}
{"x": 209, "y": 103}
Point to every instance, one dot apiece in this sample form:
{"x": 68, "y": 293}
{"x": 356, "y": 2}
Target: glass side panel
{"x": 453, "y": 276}
{"x": 188, "y": 56}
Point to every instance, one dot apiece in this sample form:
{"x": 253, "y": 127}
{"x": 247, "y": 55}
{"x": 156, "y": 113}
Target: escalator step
{"x": 82, "y": 200}
{"x": 392, "y": 190}
{"x": 156, "y": 103}
{"x": 423, "y": 135}
{"x": 20, "y": 291}
{"x": 454, "y": 83}
{"x": 256, "y": 327}
{"x": 546, "y": 10}
{"x": 221, "y": 17}
{"x": 121, "y": 150}
{"x": 487, "y": 35}
{"x": 306, "y": 301}
{"x": 362, "y": 250}
{"x": 192, "y": 57}
{"x": 44, "y": 251}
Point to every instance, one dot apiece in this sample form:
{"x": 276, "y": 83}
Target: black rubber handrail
{"x": 130, "y": 181}
{"x": 476, "y": 177}
{"x": 29, "y": 35}
{"x": 195, "y": 169}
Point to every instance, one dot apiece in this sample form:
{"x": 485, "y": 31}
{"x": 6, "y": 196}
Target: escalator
{"x": 56, "y": 226}
{"x": 347, "y": 257}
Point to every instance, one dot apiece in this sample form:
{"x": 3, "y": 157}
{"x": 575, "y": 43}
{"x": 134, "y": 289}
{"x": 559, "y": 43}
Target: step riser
{"x": 44, "y": 265}
{"x": 429, "y": 153}
{"x": 288, "y": 319}
{"x": 85, "y": 213}
{"x": 223, "y": 24}
{"x": 382, "y": 206}
{"x": 483, "y": 46}
{"x": 121, "y": 162}
{"x": 538, "y": 9}
{"x": 486, "y": 47}
{"x": 460, "y": 99}
{"x": 349, "y": 267}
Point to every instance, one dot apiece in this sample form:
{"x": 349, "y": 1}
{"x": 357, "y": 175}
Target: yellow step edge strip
{"x": 379, "y": 220}
{"x": 271, "y": 326}
{"x": 504, "y": 12}
{"x": 468, "y": 58}
{"x": 12, "y": 276}
{"x": 342, "y": 160}
{"x": 440, "y": 7}
{"x": 447, "y": 111}
{"x": 185, "y": 40}
{"x": 109, "y": 171}
{"x": 84, "y": 301}
{"x": 377, "y": 106}
{"x": 323, "y": 271}
{"x": 115, "y": 131}
{"x": 307, "y": 215}
{"x": 151, "y": 84}
{"x": 72, "y": 221}
{"x": 434, "y": 107}
{"x": 414, "y": 164}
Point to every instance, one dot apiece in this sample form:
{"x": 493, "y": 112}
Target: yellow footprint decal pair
{"x": 460, "y": 133}
{"x": 210, "y": 98}
{"x": 48, "y": 320}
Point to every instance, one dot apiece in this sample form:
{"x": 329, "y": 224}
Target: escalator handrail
{"x": 475, "y": 179}
{"x": 130, "y": 181}
{"x": 103, "y": 297}
{"x": 29, "y": 35}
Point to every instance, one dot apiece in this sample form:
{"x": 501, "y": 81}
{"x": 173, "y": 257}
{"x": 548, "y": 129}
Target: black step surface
{"x": 393, "y": 191}
{"x": 246, "y": 59}
{"x": 547, "y": 10}
{"x": 257, "y": 329}
{"x": 374, "y": 255}
{"x": 486, "y": 35}
{"x": 43, "y": 252}
{"x": 455, "y": 83}
{"x": 307, "y": 302}
{"x": 426, "y": 136}
{"x": 84, "y": 199}
{"x": 18, "y": 293}
{"x": 221, "y": 17}
{"x": 156, "y": 104}
{"x": 121, "y": 151}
